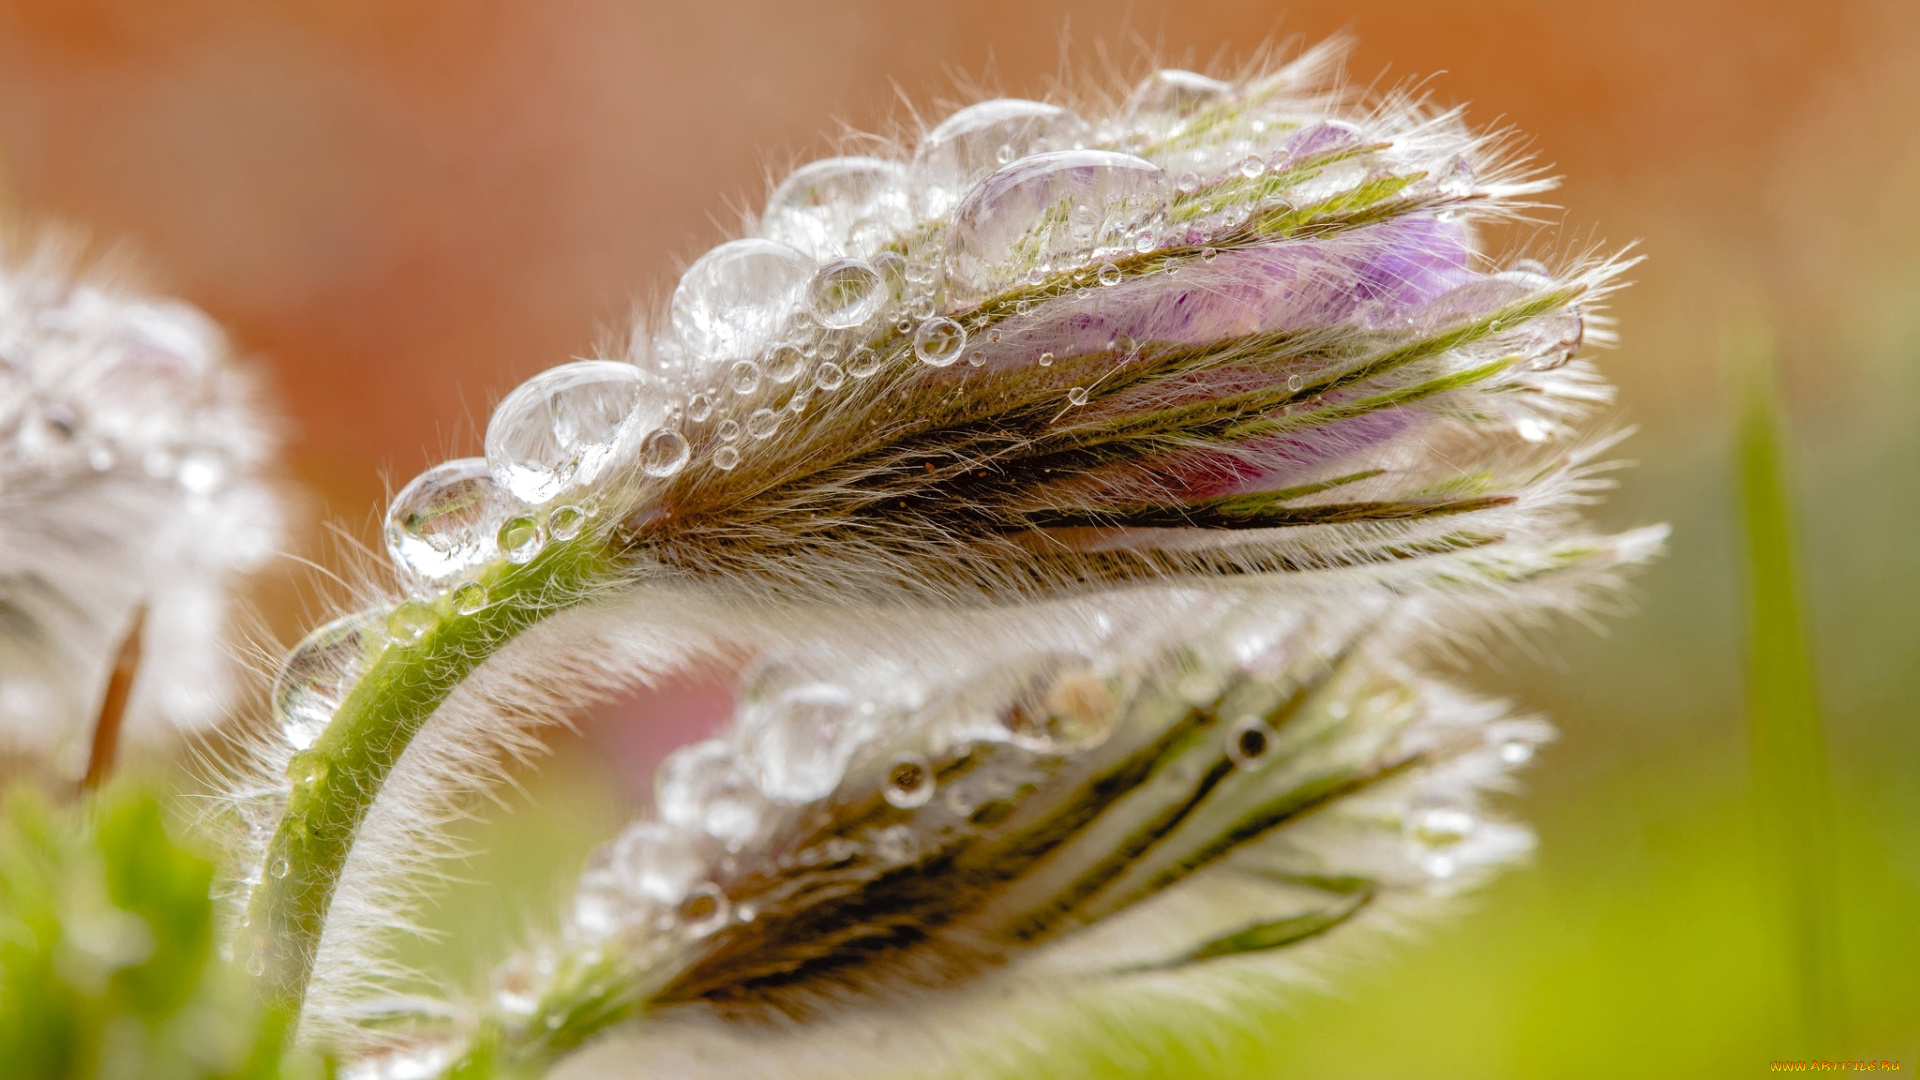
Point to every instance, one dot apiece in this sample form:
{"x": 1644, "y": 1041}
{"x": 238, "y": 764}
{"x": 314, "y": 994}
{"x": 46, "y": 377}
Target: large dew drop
{"x": 839, "y": 206}
{"x": 1180, "y": 93}
{"x": 803, "y": 736}
{"x": 569, "y": 426}
{"x": 704, "y": 787}
{"x": 320, "y": 672}
{"x": 981, "y": 138}
{"x": 846, "y": 293}
{"x": 735, "y": 298}
{"x": 1047, "y": 213}
{"x": 443, "y": 524}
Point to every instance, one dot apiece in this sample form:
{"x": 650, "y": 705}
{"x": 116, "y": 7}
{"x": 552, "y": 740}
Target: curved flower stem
{"x": 336, "y": 781}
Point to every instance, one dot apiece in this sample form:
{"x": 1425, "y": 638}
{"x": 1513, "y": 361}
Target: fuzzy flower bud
{"x": 1085, "y": 486}
{"x": 130, "y": 454}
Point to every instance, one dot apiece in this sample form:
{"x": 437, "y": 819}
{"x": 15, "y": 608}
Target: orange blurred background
{"x": 402, "y": 209}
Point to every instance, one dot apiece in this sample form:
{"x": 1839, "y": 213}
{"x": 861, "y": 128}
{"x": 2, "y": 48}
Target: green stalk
{"x": 336, "y": 781}
{"x": 1793, "y": 792}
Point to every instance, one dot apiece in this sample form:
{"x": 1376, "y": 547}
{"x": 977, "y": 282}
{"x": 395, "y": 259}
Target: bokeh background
{"x": 402, "y": 209}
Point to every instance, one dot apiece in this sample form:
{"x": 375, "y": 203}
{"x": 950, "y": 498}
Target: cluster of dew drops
{"x": 851, "y": 250}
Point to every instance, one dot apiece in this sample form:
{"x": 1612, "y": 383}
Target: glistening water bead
{"x": 910, "y": 781}
{"x": 846, "y": 293}
{"x": 320, "y": 672}
{"x": 938, "y": 342}
{"x": 664, "y": 453}
{"x": 565, "y": 522}
{"x": 521, "y": 538}
{"x": 441, "y": 525}
{"x": 568, "y": 426}
{"x": 735, "y": 298}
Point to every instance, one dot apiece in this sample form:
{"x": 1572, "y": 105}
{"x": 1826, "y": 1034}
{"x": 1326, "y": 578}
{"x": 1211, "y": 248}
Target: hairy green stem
{"x": 336, "y": 781}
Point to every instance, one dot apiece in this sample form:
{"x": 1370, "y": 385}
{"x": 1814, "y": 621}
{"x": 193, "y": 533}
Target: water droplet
{"x": 744, "y": 377}
{"x": 201, "y": 472}
{"x": 785, "y": 364}
{"x": 469, "y": 598}
{"x": 895, "y": 843}
{"x": 705, "y": 787}
{"x": 320, "y": 671}
{"x": 1440, "y": 825}
{"x": 1295, "y": 382}
{"x": 656, "y": 862}
{"x": 1321, "y": 138}
{"x": 1109, "y": 274}
{"x": 664, "y": 452}
{"x": 1209, "y": 254}
{"x": 1248, "y": 741}
{"x": 279, "y": 868}
{"x": 442, "y": 523}
{"x": 726, "y": 458}
{"x": 829, "y": 376}
{"x": 569, "y": 425}
{"x": 565, "y": 522}
{"x": 1051, "y": 210}
{"x": 521, "y": 538}
{"x": 1145, "y": 243}
{"x": 938, "y": 342}
{"x": 862, "y": 362}
{"x": 1046, "y": 359}
{"x": 1516, "y": 751}
{"x": 699, "y": 407}
{"x": 1252, "y": 166}
{"x": 410, "y": 622}
{"x": 968, "y": 145}
{"x": 762, "y": 423}
{"x": 846, "y": 293}
{"x": 728, "y": 430}
{"x": 910, "y": 781}
{"x": 1189, "y": 183}
{"x": 1077, "y": 396}
{"x": 256, "y": 962}
{"x": 598, "y": 907}
{"x": 735, "y": 298}
{"x": 1457, "y": 181}
{"x": 1181, "y": 93}
{"x": 839, "y": 206}
{"x": 802, "y": 736}
{"x": 920, "y": 307}
{"x": 704, "y": 910}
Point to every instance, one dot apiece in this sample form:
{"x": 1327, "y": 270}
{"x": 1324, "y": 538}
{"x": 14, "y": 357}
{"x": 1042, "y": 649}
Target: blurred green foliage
{"x": 107, "y": 965}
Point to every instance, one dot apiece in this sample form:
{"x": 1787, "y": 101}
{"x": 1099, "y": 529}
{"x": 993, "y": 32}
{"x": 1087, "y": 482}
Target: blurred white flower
{"x": 131, "y": 451}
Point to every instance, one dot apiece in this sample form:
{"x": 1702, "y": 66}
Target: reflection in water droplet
{"x": 744, "y": 377}
{"x": 726, "y": 457}
{"x": 1048, "y": 212}
{"x": 733, "y": 299}
{"x": 829, "y": 376}
{"x": 469, "y": 598}
{"x": 442, "y": 523}
{"x": 1046, "y": 359}
{"x": 862, "y": 362}
{"x": 1109, "y": 274}
{"x": 1209, "y": 254}
{"x": 521, "y": 539}
{"x": 1248, "y": 741}
{"x": 704, "y": 786}
{"x": 409, "y": 622}
{"x": 1181, "y": 93}
{"x": 785, "y": 364}
{"x": 699, "y": 407}
{"x": 1295, "y": 382}
{"x": 569, "y": 425}
{"x": 704, "y": 910}
{"x": 1077, "y": 396}
{"x": 968, "y": 145}
{"x": 910, "y": 781}
{"x": 320, "y": 671}
{"x": 938, "y": 342}
{"x": 728, "y": 431}
{"x": 762, "y": 423}
{"x": 846, "y": 293}
{"x": 279, "y": 868}
{"x": 839, "y": 206}
{"x": 664, "y": 453}
{"x": 565, "y": 522}
{"x": 801, "y": 737}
